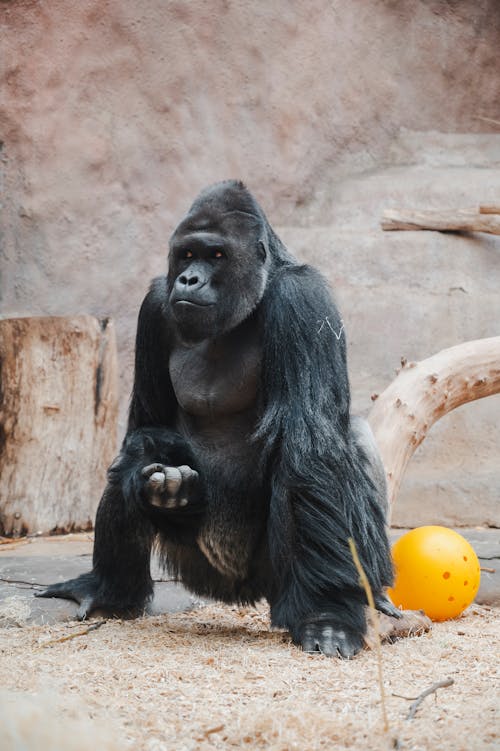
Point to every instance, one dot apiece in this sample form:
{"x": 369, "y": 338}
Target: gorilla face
{"x": 218, "y": 262}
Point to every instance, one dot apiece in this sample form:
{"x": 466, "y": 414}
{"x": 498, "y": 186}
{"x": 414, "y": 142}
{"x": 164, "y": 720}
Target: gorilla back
{"x": 241, "y": 460}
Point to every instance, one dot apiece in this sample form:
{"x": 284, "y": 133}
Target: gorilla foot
{"x": 82, "y": 590}
{"x": 169, "y": 487}
{"x": 323, "y": 633}
{"x": 87, "y": 591}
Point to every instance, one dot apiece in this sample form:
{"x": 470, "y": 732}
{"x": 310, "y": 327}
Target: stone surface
{"x": 113, "y": 115}
{"x": 411, "y": 294}
{"x": 29, "y": 567}
{"x": 26, "y": 566}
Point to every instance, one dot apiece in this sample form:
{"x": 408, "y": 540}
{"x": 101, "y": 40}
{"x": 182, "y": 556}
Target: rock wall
{"x": 113, "y": 114}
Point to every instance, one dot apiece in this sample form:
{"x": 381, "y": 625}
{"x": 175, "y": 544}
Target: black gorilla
{"x": 241, "y": 459}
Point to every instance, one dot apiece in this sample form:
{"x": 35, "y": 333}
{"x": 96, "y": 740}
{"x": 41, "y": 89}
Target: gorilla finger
{"x": 62, "y": 590}
{"x": 331, "y": 641}
{"x": 188, "y": 474}
{"x": 309, "y": 643}
{"x": 346, "y": 649}
{"x": 332, "y": 644}
{"x": 157, "y": 481}
{"x": 86, "y": 606}
{"x": 335, "y": 646}
{"x": 151, "y": 468}
{"x": 311, "y": 638}
{"x": 173, "y": 479}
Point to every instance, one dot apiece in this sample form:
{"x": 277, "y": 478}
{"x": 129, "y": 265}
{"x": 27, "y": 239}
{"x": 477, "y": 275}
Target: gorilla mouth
{"x": 191, "y": 304}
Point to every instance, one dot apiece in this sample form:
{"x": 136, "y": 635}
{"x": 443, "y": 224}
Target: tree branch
{"x": 489, "y": 208}
{"x": 431, "y": 690}
{"x": 459, "y": 220}
{"x": 423, "y": 392}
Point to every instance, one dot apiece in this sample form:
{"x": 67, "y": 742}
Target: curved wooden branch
{"x": 459, "y": 220}
{"x": 425, "y": 391}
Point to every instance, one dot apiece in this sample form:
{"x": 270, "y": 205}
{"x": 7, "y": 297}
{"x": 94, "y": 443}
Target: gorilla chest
{"x": 216, "y": 379}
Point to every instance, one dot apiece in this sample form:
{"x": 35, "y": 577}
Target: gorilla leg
{"x": 314, "y": 596}
{"x": 365, "y": 440}
{"x": 332, "y": 622}
{"x": 143, "y": 496}
{"x": 120, "y": 580}
{"x": 312, "y": 516}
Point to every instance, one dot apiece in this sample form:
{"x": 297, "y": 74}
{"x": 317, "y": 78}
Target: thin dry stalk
{"x": 376, "y": 627}
{"x": 82, "y": 632}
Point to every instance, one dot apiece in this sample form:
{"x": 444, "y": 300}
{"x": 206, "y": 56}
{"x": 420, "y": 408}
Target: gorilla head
{"x": 219, "y": 262}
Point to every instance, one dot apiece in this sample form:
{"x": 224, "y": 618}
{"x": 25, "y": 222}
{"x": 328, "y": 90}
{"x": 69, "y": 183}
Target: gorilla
{"x": 241, "y": 461}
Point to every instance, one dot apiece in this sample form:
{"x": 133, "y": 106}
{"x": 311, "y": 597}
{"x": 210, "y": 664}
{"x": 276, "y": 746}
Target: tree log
{"x": 425, "y": 391}
{"x": 461, "y": 220}
{"x": 58, "y": 421}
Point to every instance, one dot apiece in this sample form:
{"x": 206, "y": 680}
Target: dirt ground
{"x": 219, "y": 678}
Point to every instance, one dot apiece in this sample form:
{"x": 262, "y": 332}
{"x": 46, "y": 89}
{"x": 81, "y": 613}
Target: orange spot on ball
{"x": 446, "y": 575}
{"x": 451, "y": 599}
{"x": 465, "y": 583}
{"x": 465, "y": 557}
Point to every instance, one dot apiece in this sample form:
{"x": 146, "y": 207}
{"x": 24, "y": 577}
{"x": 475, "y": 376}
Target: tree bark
{"x": 58, "y": 421}
{"x": 460, "y": 220}
{"x": 425, "y": 391}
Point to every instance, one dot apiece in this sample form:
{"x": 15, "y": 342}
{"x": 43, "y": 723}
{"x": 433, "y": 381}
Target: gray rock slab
{"x": 28, "y": 568}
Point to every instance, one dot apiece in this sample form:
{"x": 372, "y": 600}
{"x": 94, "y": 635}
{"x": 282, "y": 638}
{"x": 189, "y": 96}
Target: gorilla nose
{"x": 189, "y": 285}
{"x": 192, "y": 288}
{"x": 188, "y": 281}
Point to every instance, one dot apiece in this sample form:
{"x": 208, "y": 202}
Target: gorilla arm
{"x": 135, "y": 504}
{"x": 323, "y": 489}
{"x": 153, "y": 399}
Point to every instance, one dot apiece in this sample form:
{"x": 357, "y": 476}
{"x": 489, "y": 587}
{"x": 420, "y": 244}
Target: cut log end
{"x": 58, "y": 421}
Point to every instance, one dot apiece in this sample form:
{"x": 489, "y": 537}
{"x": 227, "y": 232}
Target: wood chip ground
{"x": 219, "y": 678}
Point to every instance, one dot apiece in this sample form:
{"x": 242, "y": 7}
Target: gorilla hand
{"x": 322, "y": 632}
{"x": 169, "y": 487}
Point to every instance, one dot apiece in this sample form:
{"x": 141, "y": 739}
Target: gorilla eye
{"x": 188, "y": 254}
{"x": 217, "y": 254}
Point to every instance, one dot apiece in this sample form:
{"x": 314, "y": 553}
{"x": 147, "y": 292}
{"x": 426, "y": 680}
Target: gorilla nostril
{"x": 192, "y": 280}
{"x": 183, "y": 279}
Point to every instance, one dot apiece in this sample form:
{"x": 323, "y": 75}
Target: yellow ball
{"x": 437, "y": 571}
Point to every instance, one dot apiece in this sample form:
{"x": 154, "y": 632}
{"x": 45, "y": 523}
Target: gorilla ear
{"x": 262, "y": 251}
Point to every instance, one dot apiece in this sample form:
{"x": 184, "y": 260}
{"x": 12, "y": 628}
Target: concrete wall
{"x": 114, "y": 114}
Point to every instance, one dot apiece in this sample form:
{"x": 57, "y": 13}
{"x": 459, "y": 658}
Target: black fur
{"x": 241, "y": 375}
